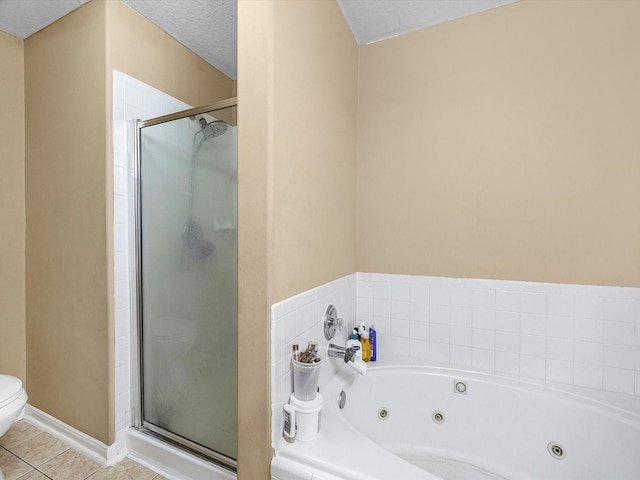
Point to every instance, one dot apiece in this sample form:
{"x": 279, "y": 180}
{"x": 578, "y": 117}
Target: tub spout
{"x": 349, "y": 357}
{"x": 347, "y": 354}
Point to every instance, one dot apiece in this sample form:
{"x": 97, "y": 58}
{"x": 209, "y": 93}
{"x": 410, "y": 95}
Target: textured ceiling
{"x": 374, "y": 20}
{"x": 208, "y": 27}
{"x": 22, "y": 18}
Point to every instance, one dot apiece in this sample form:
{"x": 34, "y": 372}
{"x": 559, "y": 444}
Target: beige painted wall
{"x": 315, "y": 105}
{"x": 12, "y": 208}
{"x": 255, "y": 158}
{"x": 297, "y": 87}
{"x": 505, "y": 145}
{"x": 68, "y": 341}
{"x": 68, "y": 78}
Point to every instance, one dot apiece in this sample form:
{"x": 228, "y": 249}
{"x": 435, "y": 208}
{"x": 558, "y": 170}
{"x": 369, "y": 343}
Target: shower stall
{"x": 186, "y": 253}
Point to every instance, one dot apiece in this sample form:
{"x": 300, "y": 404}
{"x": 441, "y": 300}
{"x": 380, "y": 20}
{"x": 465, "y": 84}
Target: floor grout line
{"x": 148, "y": 474}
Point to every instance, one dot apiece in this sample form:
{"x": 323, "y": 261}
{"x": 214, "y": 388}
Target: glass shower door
{"x": 187, "y": 279}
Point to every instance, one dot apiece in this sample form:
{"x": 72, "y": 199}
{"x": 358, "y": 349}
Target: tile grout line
{"x": 25, "y": 462}
{"x": 40, "y": 471}
{"x": 33, "y": 466}
{"x": 151, "y": 475}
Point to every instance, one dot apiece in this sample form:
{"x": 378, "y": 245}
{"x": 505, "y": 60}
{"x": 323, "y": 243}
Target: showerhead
{"x": 212, "y": 129}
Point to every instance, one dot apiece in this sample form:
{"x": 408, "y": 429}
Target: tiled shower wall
{"x": 132, "y": 99}
{"x": 587, "y": 336}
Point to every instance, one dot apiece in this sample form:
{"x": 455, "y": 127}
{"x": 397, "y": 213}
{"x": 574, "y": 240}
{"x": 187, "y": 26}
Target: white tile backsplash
{"x": 438, "y": 333}
{"x": 400, "y": 309}
{"x": 440, "y": 314}
{"x": 482, "y": 359}
{"x": 575, "y": 334}
{"x": 508, "y": 342}
{"x": 532, "y": 367}
{"x": 560, "y": 305}
{"x": 483, "y": 318}
{"x": 559, "y": 370}
{"x": 419, "y": 348}
{"x": 298, "y": 320}
{"x": 462, "y": 297}
{"x": 533, "y": 324}
{"x": 460, "y": 355}
{"x": 618, "y": 380}
{"x": 507, "y": 301}
{"x": 618, "y": 333}
{"x": 438, "y": 352}
{"x": 560, "y": 326}
{"x": 620, "y": 309}
{"x": 587, "y": 375}
{"x": 589, "y": 306}
{"x": 507, "y": 363}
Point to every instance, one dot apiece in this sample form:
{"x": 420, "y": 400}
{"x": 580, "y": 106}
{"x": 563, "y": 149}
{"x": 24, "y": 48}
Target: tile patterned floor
{"x": 27, "y": 453}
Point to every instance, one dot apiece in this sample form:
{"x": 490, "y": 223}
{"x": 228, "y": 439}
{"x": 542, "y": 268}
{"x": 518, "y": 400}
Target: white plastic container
{"x": 307, "y": 417}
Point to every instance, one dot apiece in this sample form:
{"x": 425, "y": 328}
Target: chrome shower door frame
{"x": 138, "y": 403}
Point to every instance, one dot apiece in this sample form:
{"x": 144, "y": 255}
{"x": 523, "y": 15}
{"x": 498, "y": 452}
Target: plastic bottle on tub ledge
{"x": 364, "y": 341}
{"x": 355, "y": 343}
{"x": 374, "y": 343}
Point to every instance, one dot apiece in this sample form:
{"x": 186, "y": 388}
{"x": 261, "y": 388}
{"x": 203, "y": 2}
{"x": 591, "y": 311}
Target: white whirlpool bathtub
{"x": 420, "y": 422}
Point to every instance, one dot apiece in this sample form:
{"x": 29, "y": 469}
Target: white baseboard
{"x": 96, "y": 450}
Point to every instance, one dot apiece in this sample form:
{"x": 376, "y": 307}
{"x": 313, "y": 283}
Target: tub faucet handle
{"x": 331, "y": 322}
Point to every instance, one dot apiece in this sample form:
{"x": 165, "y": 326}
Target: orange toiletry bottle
{"x": 366, "y": 344}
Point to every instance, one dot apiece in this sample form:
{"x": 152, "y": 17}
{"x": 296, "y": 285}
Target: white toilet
{"x": 13, "y": 399}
